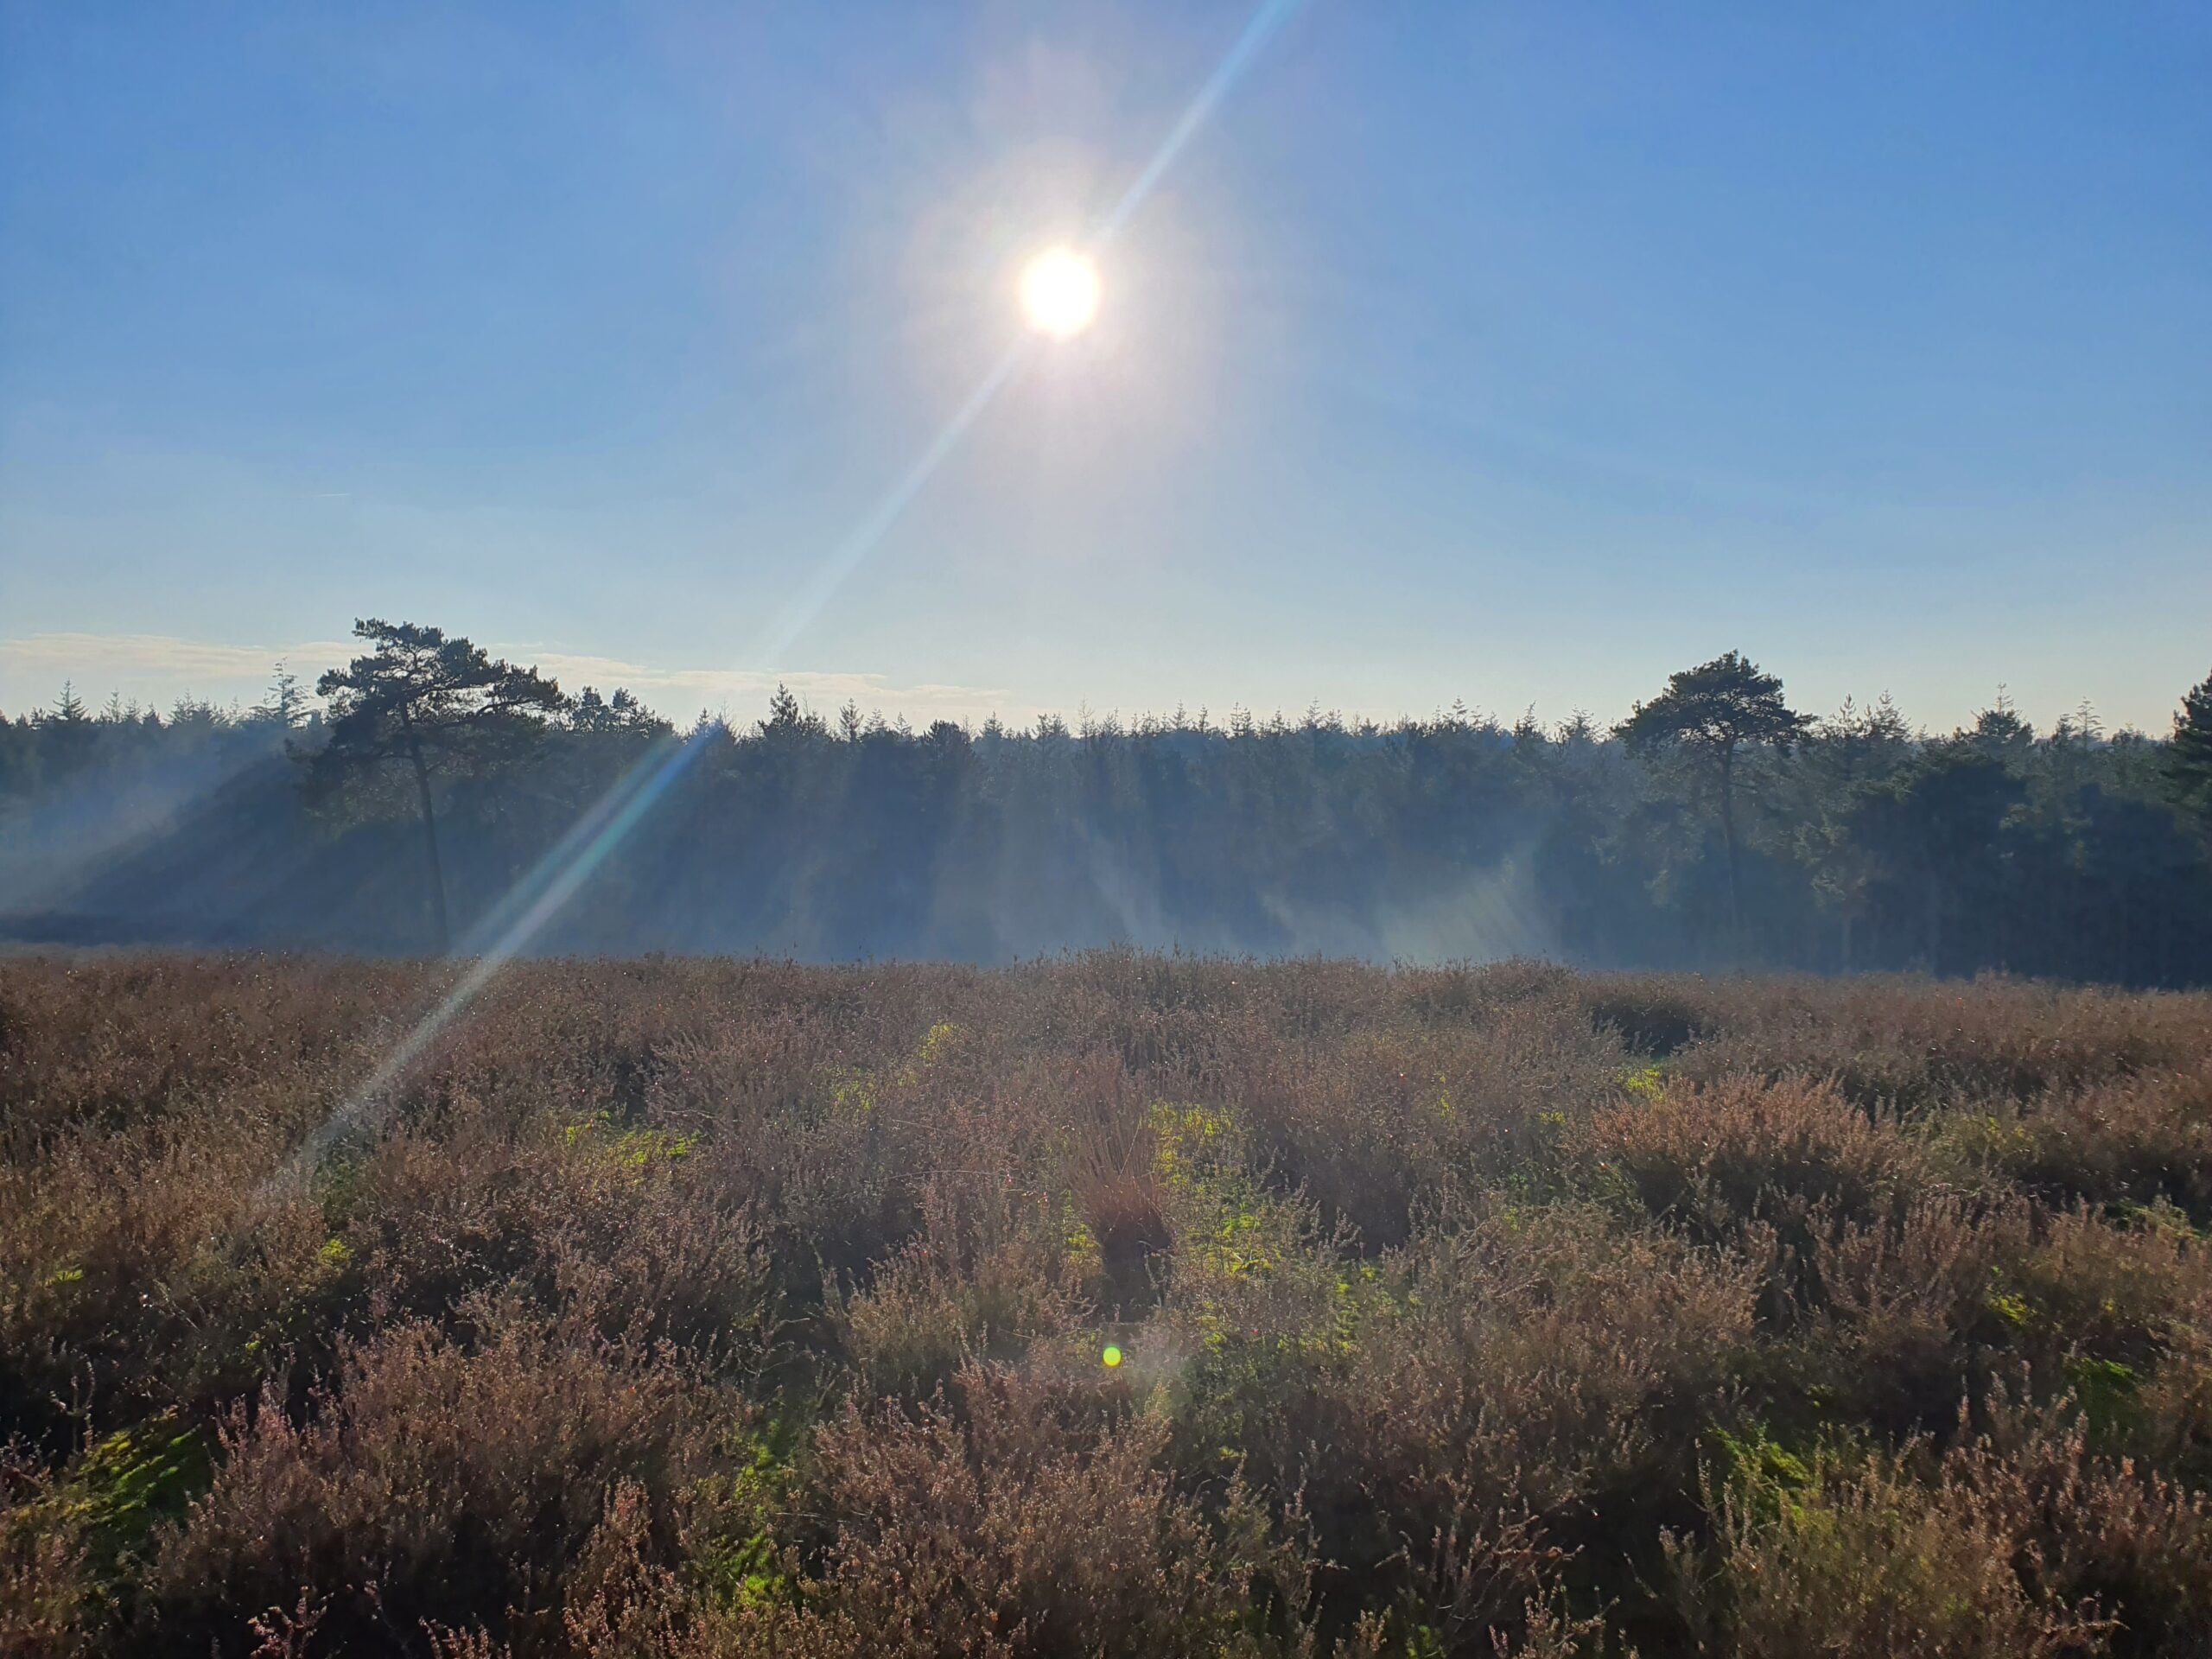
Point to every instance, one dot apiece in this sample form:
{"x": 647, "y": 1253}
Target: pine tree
{"x": 421, "y": 701}
{"x": 66, "y": 733}
{"x": 620, "y": 713}
{"x": 69, "y": 709}
{"x": 1999, "y": 730}
{"x": 286, "y": 705}
{"x": 2189, "y": 754}
{"x": 1715, "y": 711}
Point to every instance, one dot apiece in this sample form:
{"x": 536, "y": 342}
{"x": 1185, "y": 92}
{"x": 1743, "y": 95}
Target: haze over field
{"x": 1037, "y": 400}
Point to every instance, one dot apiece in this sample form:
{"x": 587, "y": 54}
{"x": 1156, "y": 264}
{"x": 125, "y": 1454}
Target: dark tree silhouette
{"x": 1938, "y": 829}
{"x": 1999, "y": 730}
{"x": 2189, "y": 756}
{"x": 1874, "y": 845}
{"x": 620, "y": 713}
{"x": 286, "y": 705}
{"x": 70, "y": 732}
{"x": 423, "y": 702}
{"x": 1715, "y": 711}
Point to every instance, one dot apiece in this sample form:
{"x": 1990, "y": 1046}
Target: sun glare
{"x": 1059, "y": 293}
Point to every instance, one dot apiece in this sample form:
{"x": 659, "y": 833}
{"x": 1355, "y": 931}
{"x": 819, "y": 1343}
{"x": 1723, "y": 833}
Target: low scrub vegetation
{"x": 1120, "y": 1304}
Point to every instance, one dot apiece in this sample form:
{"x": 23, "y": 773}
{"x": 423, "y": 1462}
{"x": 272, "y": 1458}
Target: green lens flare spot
{"x": 1112, "y": 1356}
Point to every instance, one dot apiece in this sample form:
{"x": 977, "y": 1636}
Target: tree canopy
{"x": 2189, "y": 755}
{"x": 1715, "y": 711}
{"x": 1717, "y": 707}
{"x": 423, "y": 703}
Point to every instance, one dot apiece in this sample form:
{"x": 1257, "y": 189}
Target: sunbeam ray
{"x": 539, "y": 895}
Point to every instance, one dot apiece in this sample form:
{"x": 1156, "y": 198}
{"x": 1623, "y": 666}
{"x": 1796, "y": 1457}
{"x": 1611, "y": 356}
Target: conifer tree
{"x": 2189, "y": 754}
{"x": 1714, "y": 712}
{"x": 422, "y": 702}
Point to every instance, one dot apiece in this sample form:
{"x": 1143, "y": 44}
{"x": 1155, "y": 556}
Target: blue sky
{"x": 1515, "y": 353}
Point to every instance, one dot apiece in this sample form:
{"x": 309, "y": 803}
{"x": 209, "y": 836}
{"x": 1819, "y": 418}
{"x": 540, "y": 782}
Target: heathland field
{"x": 1120, "y": 1304}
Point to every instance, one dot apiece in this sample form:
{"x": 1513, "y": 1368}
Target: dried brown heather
{"x": 716, "y": 1308}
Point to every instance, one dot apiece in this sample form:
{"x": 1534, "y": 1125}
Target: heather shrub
{"x": 1763, "y": 1167}
{"x": 2100, "y": 1529}
{"x": 1119, "y": 1303}
{"x": 1033, "y": 1520}
{"x": 2144, "y": 1139}
{"x": 634, "y": 1230}
{"x": 1905, "y": 1044}
{"x": 51, "y": 1599}
{"x": 1531, "y": 1400}
{"x": 1867, "y": 1558}
{"x": 1711, "y": 1158}
{"x": 1376, "y": 1128}
{"x": 2170, "y": 1427}
{"x": 1116, "y": 1205}
{"x": 2016, "y": 1541}
{"x": 1908, "y": 1313}
{"x": 104, "y": 1042}
{"x": 1652, "y": 1015}
{"x": 1450, "y": 1421}
{"x": 2111, "y": 1294}
{"x": 432, "y": 1480}
{"x": 922, "y": 1317}
{"x": 139, "y": 1275}
{"x": 75, "y": 1540}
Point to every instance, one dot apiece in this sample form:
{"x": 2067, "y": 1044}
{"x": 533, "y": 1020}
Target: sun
{"x": 1059, "y": 293}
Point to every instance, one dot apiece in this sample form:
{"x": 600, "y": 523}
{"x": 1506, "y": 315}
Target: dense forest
{"x": 411, "y": 803}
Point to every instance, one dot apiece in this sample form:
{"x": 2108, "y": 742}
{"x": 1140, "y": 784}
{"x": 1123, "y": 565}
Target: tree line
{"x": 1716, "y": 827}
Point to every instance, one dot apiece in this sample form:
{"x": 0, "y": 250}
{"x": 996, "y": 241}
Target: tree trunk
{"x": 1728, "y": 841}
{"x": 429, "y": 839}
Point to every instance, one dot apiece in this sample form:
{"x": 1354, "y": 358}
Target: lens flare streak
{"x": 555, "y": 880}
{"x": 1269, "y": 18}
{"x": 831, "y": 575}
{"x": 535, "y": 900}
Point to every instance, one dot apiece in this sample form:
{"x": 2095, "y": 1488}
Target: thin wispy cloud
{"x": 157, "y": 668}
{"x": 149, "y": 667}
{"x": 682, "y": 691}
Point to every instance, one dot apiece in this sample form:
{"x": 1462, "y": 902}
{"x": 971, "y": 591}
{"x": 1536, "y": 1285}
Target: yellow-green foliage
{"x": 1762, "y": 1474}
{"x": 126, "y": 1484}
{"x": 1229, "y": 1227}
{"x": 1249, "y": 1267}
{"x": 935, "y": 1041}
{"x": 740, "y": 1556}
{"x": 852, "y": 1094}
{"x": 1077, "y": 1242}
{"x": 854, "y": 1091}
{"x": 628, "y": 1148}
{"x": 2012, "y": 1307}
